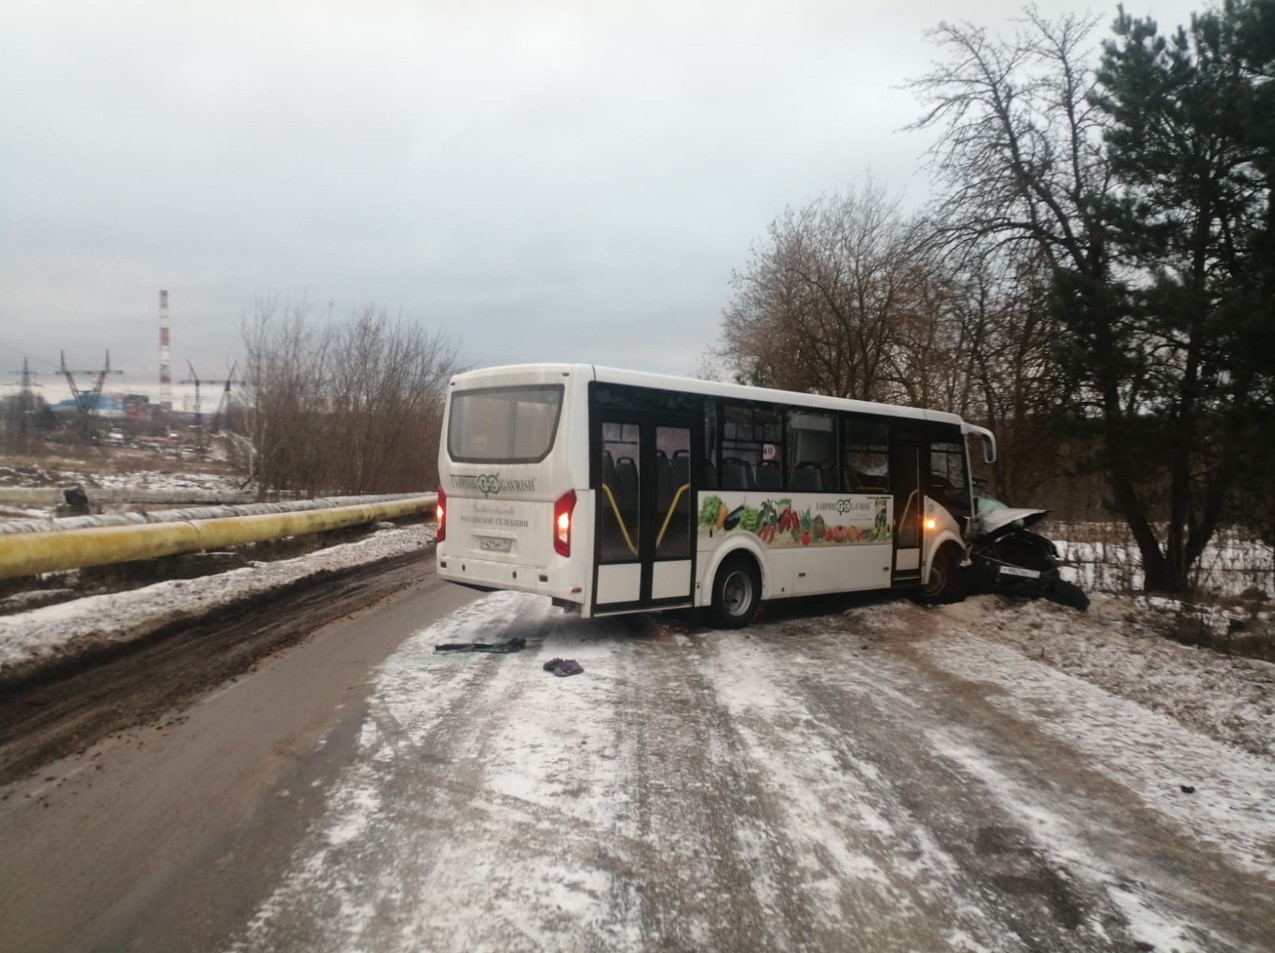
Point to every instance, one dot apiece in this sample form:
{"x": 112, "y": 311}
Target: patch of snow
{"x": 1228, "y": 566}
{"x": 684, "y": 782}
{"x": 1233, "y": 802}
{"x": 46, "y": 632}
{"x": 1146, "y": 909}
{"x": 1115, "y": 646}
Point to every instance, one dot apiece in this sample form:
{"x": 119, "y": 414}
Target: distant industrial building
{"x": 134, "y": 406}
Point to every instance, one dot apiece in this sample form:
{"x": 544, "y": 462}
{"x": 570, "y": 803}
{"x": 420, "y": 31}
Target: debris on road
{"x": 495, "y": 648}
{"x": 562, "y": 667}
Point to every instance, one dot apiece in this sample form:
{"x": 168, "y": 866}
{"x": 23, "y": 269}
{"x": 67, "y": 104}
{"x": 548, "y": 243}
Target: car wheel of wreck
{"x": 1068, "y": 594}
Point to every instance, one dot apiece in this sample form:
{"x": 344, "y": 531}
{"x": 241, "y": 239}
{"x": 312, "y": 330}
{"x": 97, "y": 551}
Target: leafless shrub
{"x": 349, "y": 408}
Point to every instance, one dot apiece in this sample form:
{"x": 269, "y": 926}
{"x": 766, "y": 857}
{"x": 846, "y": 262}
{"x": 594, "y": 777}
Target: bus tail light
{"x": 563, "y": 511}
{"x": 441, "y": 513}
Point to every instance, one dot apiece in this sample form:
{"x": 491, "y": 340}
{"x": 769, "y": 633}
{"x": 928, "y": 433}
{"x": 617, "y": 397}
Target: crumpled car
{"x": 1007, "y": 557}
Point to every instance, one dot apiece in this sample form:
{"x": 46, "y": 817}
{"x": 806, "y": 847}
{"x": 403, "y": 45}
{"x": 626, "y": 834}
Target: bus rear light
{"x": 440, "y": 512}
{"x": 562, "y": 513}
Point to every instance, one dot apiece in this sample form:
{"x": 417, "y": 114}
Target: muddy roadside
{"x": 88, "y": 691}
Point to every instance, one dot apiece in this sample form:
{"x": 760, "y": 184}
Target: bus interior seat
{"x": 626, "y": 473}
{"x": 769, "y": 477}
{"x": 807, "y": 478}
{"x": 868, "y": 482}
{"x": 663, "y": 481}
{"x": 679, "y": 471}
{"x": 737, "y": 474}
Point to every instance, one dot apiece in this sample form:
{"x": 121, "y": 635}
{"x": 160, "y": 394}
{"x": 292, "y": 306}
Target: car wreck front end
{"x": 1007, "y": 557}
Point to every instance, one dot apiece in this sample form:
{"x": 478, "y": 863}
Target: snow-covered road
{"x": 885, "y": 778}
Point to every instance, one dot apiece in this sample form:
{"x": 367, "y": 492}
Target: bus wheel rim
{"x": 737, "y": 593}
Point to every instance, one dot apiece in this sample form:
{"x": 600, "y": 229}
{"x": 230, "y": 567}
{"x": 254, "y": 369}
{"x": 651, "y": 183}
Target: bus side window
{"x": 866, "y": 445}
{"x": 812, "y": 452}
{"x": 710, "y": 446}
{"x": 949, "y": 482}
{"x": 751, "y": 434}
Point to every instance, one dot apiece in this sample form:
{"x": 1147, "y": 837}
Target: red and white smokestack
{"x": 165, "y": 357}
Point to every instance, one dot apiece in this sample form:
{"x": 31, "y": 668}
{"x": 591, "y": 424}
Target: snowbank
{"x": 1116, "y": 647}
{"x": 54, "y": 631}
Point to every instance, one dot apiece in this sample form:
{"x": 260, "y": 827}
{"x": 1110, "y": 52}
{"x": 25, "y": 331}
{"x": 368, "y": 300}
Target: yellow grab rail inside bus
{"x": 669, "y": 515}
{"x": 620, "y": 520}
{"x": 906, "y": 507}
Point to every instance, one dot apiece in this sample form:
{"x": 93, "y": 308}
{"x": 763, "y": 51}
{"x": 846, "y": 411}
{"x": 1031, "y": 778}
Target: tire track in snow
{"x": 888, "y": 828}
{"x": 793, "y": 787}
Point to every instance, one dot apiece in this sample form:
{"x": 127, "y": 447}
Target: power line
{"x": 25, "y": 355}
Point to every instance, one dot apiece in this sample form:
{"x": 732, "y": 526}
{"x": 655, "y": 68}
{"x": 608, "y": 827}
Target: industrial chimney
{"x": 165, "y": 358}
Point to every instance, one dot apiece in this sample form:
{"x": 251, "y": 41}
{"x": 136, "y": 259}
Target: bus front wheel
{"x": 736, "y": 593}
{"x": 946, "y": 582}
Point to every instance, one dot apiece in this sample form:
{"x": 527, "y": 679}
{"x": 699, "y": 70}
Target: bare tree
{"x": 351, "y": 408}
{"x": 817, "y": 308}
{"x": 1015, "y": 386}
{"x": 1021, "y": 147}
{"x": 1140, "y": 187}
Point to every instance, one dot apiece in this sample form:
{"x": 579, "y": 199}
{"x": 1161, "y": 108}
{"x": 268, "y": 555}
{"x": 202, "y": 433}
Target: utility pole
{"x": 86, "y": 400}
{"x": 26, "y": 396}
{"x": 25, "y": 406}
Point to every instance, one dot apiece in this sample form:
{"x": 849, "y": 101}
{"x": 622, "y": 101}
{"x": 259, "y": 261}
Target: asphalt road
{"x": 164, "y": 836}
{"x": 815, "y": 783}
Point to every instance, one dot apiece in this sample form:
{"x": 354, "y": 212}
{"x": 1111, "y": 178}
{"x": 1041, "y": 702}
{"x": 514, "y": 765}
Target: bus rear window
{"x": 504, "y": 424}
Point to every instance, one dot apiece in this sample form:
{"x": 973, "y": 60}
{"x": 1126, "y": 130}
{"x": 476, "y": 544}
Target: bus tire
{"x": 736, "y": 593}
{"x": 946, "y": 582}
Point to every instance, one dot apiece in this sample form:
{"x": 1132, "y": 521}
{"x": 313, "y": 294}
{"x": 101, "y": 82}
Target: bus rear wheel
{"x": 946, "y": 582}
{"x": 736, "y": 593}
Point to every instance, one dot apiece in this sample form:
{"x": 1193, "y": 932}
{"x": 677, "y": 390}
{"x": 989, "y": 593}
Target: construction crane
{"x": 86, "y": 400}
{"x": 225, "y": 395}
{"x": 199, "y": 382}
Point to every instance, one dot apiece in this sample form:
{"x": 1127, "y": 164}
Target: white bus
{"x": 615, "y": 491}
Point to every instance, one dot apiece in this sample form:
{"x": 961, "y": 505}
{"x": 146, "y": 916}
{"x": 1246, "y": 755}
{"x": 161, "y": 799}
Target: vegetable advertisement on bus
{"x": 780, "y": 522}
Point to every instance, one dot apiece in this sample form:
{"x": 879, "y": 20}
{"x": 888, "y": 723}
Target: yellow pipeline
{"x": 25, "y": 554}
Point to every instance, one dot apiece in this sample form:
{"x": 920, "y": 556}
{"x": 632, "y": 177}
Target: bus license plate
{"x": 494, "y": 544}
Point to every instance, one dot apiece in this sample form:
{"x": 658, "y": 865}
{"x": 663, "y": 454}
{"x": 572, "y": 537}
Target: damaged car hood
{"x": 989, "y": 524}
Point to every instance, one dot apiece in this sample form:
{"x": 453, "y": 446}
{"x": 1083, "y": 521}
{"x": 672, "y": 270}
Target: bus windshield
{"x": 504, "y": 424}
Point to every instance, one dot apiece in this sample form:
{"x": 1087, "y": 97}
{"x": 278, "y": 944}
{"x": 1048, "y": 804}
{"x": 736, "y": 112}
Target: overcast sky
{"x": 540, "y": 180}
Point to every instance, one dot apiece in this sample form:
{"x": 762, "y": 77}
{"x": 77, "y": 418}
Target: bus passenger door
{"x": 909, "y": 507}
{"x": 645, "y": 511}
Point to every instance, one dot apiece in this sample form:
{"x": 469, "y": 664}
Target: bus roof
{"x": 707, "y": 388}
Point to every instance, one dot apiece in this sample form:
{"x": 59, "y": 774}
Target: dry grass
{"x": 80, "y": 463}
